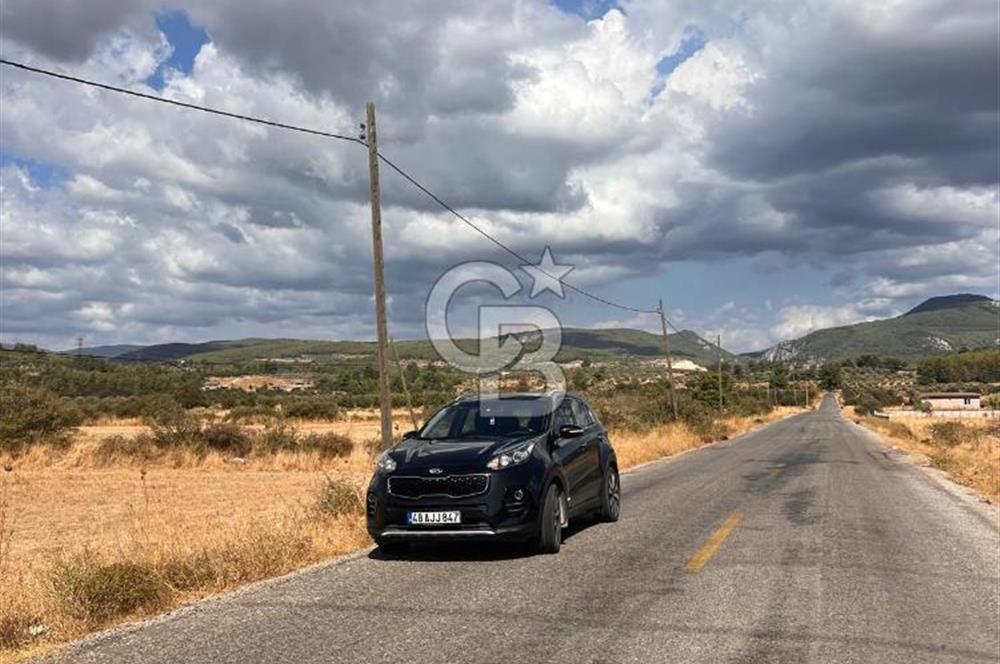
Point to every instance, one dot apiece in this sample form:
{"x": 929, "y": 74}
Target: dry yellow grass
{"x": 193, "y": 526}
{"x": 634, "y": 447}
{"x": 967, "y": 450}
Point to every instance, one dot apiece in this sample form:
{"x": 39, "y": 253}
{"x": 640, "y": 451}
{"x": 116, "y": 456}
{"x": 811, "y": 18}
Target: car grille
{"x": 453, "y": 486}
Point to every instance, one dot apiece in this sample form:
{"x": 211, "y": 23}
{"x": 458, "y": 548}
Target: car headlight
{"x": 385, "y": 463}
{"x": 511, "y": 458}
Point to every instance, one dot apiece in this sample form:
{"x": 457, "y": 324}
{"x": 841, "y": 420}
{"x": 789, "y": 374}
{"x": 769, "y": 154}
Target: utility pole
{"x": 718, "y": 343}
{"x": 385, "y": 399}
{"x": 670, "y": 364}
{"x": 402, "y": 380}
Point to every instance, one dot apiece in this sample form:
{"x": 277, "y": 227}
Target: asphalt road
{"x": 801, "y": 542}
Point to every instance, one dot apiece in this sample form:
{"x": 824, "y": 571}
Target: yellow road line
{"x": 714, "y": 542}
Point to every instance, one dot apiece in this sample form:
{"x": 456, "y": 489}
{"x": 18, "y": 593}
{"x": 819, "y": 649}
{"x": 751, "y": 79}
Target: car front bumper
{"x": 491, "y": 516}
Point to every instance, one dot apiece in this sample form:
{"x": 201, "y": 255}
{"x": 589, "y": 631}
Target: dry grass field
{"x": 85, "y": 543}
{"x": 967, "y": 450}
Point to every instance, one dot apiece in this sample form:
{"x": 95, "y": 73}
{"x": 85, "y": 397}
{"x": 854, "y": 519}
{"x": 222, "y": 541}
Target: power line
{"x": 173, "y": 102}
{"x": 316, "y": 132}
{"x": 503, "y": 246}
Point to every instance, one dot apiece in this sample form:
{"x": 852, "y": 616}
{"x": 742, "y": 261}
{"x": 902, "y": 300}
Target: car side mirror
{"x": 570, "y": 431}
{"x": 409, "y": 434}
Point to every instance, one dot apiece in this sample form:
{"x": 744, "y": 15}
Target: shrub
{"x": 227, "y": 437}
{"x": 338, "y": 497}
{"x": 96, "y": 592}
{"x": 950, "y": 434}
{"x": 274, "y": 438}
{"x": 29, "y": 414}
{"x": 866, "y": 405}
{"x": 15, "y": 629}
{"x": 175, "y": 429}
{"x": 140, "y": 448}
{"x": 327, "y": 444}
{"x": 312, "y": 408}
{"x": 255, "y": 413}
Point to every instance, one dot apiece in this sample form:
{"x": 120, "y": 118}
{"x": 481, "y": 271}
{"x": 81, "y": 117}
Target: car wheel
{"x": 611, "y": 495}
{"x": 551, "y": 522}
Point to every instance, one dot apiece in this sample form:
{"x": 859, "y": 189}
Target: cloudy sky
{"x": 765, "y": 167}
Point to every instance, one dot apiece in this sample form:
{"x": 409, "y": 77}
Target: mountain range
{"x": 938, "y": 325}
{"x": 577, "y": 343}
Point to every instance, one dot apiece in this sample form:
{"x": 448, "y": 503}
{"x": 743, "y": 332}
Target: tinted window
{"x": 564, "y": 415}
{"x": 581, "y": 414}
{"x": 504, "y": 419}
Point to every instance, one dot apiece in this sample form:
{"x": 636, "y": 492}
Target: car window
{"x": 581, "y": 414}
{"x": 564, "y": 415}
{"x": 440, "y": 425}
{"x": 513, "y": 418}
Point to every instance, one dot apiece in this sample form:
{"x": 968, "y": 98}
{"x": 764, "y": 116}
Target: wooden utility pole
{"x": 402, "y": 380}
{"x": 385, "y": 399}
{"x": 670, "y": 364}
{"x": 718, "y": 343}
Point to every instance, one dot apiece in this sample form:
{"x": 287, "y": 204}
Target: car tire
{"x": 611, "y": 494}
{"x": 550, "y": 526}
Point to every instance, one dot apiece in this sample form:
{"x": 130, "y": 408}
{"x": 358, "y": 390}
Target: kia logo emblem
{"x": 435, "y": 471}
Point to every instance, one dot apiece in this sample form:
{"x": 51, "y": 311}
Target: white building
{"x": 951, "y": 400}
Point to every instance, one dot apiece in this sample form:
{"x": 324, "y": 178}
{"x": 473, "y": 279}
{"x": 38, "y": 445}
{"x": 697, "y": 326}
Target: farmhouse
{"x": 951, "y": 400}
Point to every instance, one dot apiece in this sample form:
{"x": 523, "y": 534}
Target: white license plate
{"x": 433, "y": 518}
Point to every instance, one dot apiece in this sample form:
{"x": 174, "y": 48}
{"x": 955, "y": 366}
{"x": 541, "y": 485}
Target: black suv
{"x": 515, "y": 468}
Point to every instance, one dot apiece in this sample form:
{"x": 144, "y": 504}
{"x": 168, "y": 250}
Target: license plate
{"x": 433, "y": 518}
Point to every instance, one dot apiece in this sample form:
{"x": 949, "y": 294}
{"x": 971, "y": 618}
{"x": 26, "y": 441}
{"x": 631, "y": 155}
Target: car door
{"x": 590, "y": 455}
{"x": 569, "y": 453}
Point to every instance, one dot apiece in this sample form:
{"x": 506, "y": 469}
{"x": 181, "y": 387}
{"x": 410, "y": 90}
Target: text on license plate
{"x": 433, "y": 518}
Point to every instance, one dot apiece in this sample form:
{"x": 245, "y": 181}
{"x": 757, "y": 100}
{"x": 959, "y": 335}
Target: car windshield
{"x": 507, "y": 418}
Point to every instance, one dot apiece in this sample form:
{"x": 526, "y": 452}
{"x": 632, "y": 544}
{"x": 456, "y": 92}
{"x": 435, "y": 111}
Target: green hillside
{"x": 578, "y": 343}
{"x": 940, "y": 325}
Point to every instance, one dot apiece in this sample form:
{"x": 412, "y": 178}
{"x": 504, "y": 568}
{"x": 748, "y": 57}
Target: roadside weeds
{"x": 966, "y": 451}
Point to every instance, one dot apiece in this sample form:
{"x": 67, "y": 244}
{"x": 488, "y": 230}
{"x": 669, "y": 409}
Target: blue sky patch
{"x": 587, "y": 9}
{"x": 186, "y": 41}
{"x": 42, "y": 174}
{"x": 692, "y": 42}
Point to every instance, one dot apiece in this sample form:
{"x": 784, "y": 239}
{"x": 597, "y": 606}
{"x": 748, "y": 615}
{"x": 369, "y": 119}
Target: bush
{"x": 177, "y": 429}
{"x": 140, "y": 448}
{"x": 327, "y": 444}
{"x": 227, "y": 437}
{"x": 15, "y": 629}
{"x": 866, "y": 405}
{"x": 96, "y": 592}
{"x": 951, "y": 434}
{"x": 274, "y": 438}
{"x": 31, "y": 415}
{"x": 250, "y": 414}
{"x": 337, "y": 497}
{"x": 310, "y": 408}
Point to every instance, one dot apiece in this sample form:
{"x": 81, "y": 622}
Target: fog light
{"x": 519, "y": 495}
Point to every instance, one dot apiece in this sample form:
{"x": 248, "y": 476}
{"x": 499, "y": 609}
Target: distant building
{"x": 951, "y": 400}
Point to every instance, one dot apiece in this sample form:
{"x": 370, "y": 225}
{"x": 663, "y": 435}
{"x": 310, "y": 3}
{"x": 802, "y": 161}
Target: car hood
{"x": 454, "y": 453}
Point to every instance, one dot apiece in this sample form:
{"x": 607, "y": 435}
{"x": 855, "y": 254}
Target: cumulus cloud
{"x": 875, "y": 163}
{"x": 796, "y": 320}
